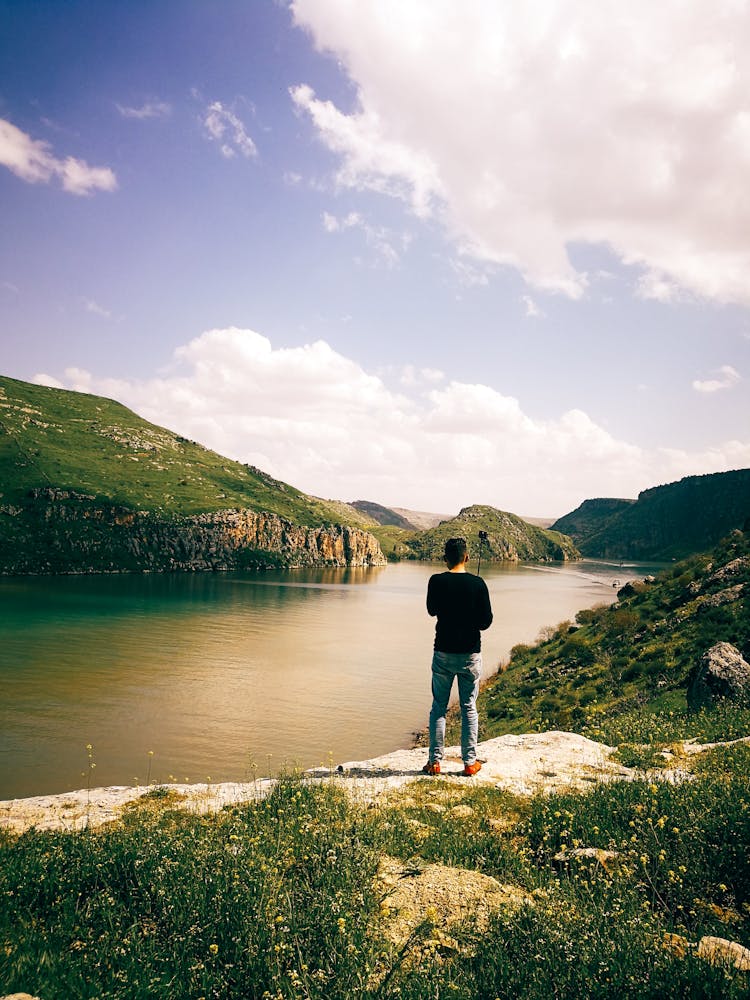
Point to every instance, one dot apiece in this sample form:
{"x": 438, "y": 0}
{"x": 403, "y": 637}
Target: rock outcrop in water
{"x": 60, "y": 531}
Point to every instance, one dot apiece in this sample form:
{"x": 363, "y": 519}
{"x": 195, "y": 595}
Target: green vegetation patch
{"x": 72, "y": 441}
{"x": 280, "y": 898}
{"x": 508, "y": 538}
{"x": 666, "y": 522}
{"x": 275, "y": 898}
{"x": 619, "y": 673}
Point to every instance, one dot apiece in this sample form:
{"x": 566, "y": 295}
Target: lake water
{"x": 229, "y": 675}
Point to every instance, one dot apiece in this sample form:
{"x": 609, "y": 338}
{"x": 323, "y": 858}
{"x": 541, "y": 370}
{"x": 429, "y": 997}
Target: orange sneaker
{"x": 470, "y": 769}
{"x": 431, "y": 767}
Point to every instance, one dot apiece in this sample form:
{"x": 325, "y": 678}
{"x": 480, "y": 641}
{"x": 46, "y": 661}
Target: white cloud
{"x": 332, "y": 224}
{"x": 469, "y": 272}
{"x": 224, "y": 127}
{"x": 53, "y": 383}
{"x": 371, "y": 161}
{"x": 319, "y": 421}
{"x": 725, "y": 378}
{"x": 526, "y": 127}
{"x": 387, "y": 245}
{"x": 532, "y": 309}
{"x": 411, "y": 377}
{"x": 150, "y": 109}
{"x": 652, "y": 285}
{"x": 33, "y": 161}
{"x": 93, "y": 307}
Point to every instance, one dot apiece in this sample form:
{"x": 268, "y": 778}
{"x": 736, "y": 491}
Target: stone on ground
{"x": 722, "y": 673}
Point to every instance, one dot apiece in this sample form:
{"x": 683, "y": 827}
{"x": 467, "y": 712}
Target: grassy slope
{"x": 75, "y": 441}
{"x": 635, "y": 652}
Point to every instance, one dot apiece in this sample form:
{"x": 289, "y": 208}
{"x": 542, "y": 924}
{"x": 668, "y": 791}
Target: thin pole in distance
{"x": 482, "y": 540}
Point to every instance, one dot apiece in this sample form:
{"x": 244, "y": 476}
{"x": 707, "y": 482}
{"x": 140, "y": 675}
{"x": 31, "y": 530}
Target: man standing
{"x": 461, "y": 602}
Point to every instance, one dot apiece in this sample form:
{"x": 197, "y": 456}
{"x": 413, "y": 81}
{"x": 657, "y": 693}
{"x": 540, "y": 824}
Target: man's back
{"x": 461, "y": 603}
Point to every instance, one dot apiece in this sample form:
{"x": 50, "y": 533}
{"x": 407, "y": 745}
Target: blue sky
{"x": 422, "y": 253}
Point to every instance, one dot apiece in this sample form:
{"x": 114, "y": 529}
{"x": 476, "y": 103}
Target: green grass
{"x": 279, "y": 898}
{"x": 274, "y": 897}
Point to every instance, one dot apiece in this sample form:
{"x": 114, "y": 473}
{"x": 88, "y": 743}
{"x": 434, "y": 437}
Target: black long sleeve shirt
{"x": 461, "y": 603}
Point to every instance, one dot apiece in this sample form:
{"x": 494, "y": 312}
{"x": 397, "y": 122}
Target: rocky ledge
{"x": 522, "y": 764}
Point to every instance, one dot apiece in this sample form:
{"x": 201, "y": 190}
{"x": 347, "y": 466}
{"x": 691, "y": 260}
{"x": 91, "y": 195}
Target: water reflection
{"x": 215, "y": 672}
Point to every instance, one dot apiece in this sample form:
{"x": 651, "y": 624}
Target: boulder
{"x": 721, "y": 673}
{"x": 588, "y": 854}
{"x": 727, "y": 596}
{"x": 716, "y": 950}
{"x": 719, "y": 951}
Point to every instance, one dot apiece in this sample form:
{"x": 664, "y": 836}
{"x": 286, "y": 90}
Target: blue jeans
{"x": 467, "y": 669}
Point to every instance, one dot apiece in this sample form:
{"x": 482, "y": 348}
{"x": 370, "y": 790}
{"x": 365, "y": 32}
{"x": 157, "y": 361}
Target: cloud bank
{"x": 528, "y": 127}
{"x": 33, "y": 161}
{"x": 318, "y": 420}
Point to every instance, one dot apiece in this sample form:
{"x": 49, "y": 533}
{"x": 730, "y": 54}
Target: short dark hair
{"x": 455, "y": 551}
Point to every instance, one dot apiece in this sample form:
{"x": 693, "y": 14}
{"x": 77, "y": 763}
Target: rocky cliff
{"x": 60, "y": 531}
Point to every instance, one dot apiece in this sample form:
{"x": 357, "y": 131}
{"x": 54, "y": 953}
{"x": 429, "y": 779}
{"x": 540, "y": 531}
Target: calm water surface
{"x": 223, "y": 674}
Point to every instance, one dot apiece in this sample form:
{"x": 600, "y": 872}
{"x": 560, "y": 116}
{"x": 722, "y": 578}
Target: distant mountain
{"x": 422, "y": 520}
{"x": 539, "y": 522}
{"x": 590, "y": 518}
{"x": 87, "y": 485}
{"x": 509, "y": 538}
{"x": 666, "y": 522}
{"x": 418, "y": 520}
{"x": 383, "y": 515}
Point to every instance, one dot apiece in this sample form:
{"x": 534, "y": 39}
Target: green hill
{"x": 665, "y": 522}
{"x": 96, "y": 446}
{"x": 88, "y": 486}
{"x": 640, "y": 651}
{"x": 509, "y": 538}
{"x": 590, "y": 517}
